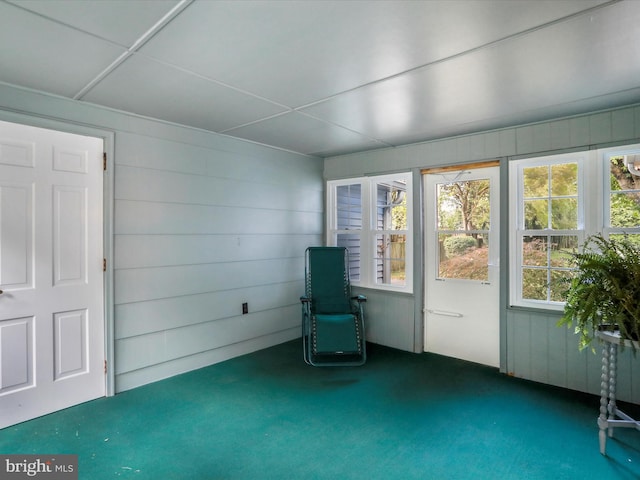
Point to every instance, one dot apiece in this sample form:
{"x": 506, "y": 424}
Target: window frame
{"x": 517, "y": 230}
{"x": 369, "y": 230}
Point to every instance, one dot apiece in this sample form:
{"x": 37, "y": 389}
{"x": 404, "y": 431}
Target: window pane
{"x": 352, "y": 243}
{"x": 448, "y": 211}
{"x": 564, "y": 179}
{"x": 561, "y": 249}
{"x": 463, "y": 205}
{"x": 536, "y": 214}
{"x": 559, "y": 284}
{"x": 625, "y": 209}
{"x": 534, "y": 251}
{"x": 390, "y": 259}
{"x": 534, "y": 284}
{"x": 624, "y": 202}
{"x": 619, "y": 173}
{"x": 633, "y": 238}
{"x": 536, "y": 181}
{"x": 463, "y": 257}
{"x": 391, "y": 206}
{"x": 349, "y": 207}
{"x": 564, "y": 213}
{"x": 621, "y": 179}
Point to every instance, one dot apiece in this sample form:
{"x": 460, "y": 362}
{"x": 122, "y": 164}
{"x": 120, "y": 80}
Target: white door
{"x": 51, "y": 250}
{"x": 462, "y": 257}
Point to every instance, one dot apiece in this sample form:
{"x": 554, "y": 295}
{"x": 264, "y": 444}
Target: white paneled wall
{"x": 198, "y": 232}
{"x": 202, "y": 224}
{"x": 533, "y": 346}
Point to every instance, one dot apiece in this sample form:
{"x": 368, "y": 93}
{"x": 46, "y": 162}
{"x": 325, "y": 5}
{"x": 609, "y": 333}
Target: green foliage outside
{"x": 471, "y": 265}
{"x": 463, "y": 207}
{"x": 625, "y": 210}
{"x": 545, "y": 260}
{"x": 399, "y": 212}
{"x": 459, "y": 244}
{"x": 550, "y": 197}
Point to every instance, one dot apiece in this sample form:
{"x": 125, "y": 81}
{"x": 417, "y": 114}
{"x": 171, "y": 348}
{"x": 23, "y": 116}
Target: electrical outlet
{"x": 245, "y": 308}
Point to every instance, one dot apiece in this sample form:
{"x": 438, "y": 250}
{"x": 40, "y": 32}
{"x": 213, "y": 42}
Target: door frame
{"x": 108, "y": 138}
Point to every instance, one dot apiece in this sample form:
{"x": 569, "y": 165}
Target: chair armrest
{"x": 305, "y": 299}
{"x": 359, "y": 298}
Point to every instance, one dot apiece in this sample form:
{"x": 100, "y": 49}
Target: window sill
{"x": 545, "y": 310}
{"x": 395, "y": 291}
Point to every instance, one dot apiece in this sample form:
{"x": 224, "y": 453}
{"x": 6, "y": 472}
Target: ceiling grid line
{"x": 144, "y": 38}
{"x": 459, "y": 54}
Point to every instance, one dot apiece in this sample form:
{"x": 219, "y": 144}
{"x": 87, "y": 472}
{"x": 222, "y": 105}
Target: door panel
{"x": 16, "y": 354}
{"x": 462, "y": 274}
{"x": 70, "y": 160}
{"x": 69, "y": 235}
{"x": 51, "y": 250}
{"x": 70, "y": 331}
{"x": 16, "y": 152}
{"x": 16, "y": 248}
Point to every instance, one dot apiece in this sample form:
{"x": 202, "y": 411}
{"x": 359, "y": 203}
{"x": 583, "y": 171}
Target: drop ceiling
{"x": 329, "y": 77}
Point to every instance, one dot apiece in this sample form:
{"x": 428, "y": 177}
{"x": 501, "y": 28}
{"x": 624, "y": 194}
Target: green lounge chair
{"x": 332, "y": 319}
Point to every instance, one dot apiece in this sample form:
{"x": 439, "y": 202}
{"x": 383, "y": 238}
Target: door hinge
{"x": 105, "y": 367}
{"x": 104, "y": 264}
{"x": 104, "y": 161}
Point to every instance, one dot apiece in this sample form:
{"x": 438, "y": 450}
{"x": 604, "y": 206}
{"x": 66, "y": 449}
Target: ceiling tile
{"x": 121, "y": 21}
{"x": 296, "y": 53}
{"x": 47, "y": 56}
{"x": 563, "y": 65}
{"x": 146, "y": 87}
{"x": 301, "y": 133}
{"x": 543, "y": 113}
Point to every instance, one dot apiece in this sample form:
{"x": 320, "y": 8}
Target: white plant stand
{"x": 610, "y": 415}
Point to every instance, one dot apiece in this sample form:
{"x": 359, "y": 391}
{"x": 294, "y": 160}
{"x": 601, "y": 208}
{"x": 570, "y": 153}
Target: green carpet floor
{"x": 267, "y": 415}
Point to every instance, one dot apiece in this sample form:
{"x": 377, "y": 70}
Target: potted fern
{"x": 604, "y": 292}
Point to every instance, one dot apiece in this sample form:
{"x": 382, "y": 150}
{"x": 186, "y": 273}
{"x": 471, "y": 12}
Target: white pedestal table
{"x": 610, "y": 415}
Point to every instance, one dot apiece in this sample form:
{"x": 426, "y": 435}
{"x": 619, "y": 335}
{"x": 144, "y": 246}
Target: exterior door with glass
{"x": 462, "y": 264}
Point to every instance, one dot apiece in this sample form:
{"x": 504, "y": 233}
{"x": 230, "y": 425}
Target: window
{"x": 622, "y": 193}
{"x": 549, "y": 214}
{"x": 371, "y": 216}
{"x": 556, "y": 202}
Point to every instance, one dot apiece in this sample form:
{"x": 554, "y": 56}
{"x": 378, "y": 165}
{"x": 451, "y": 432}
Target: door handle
{"x": 445, "y": 313}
